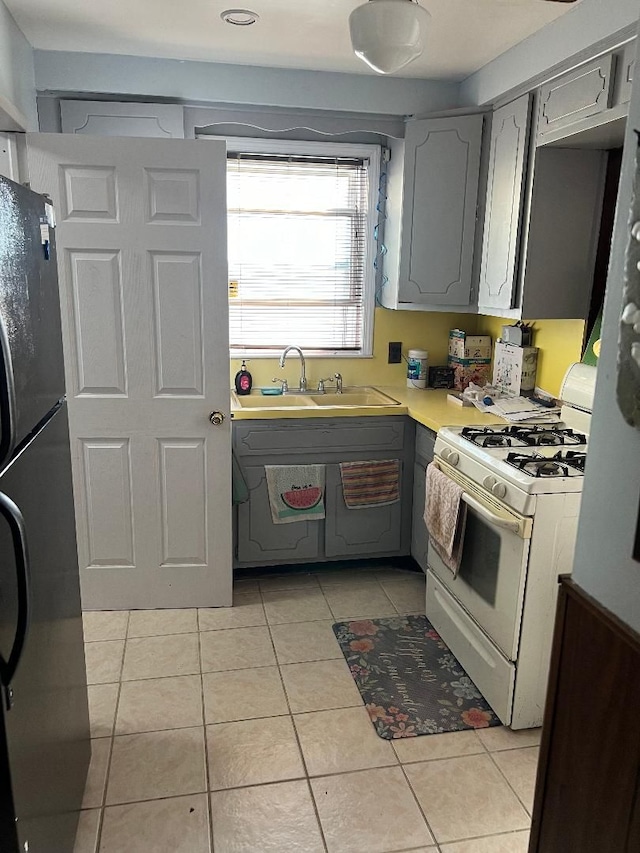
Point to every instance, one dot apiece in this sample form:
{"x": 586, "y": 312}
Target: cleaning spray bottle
{"x": 243, "y": 380}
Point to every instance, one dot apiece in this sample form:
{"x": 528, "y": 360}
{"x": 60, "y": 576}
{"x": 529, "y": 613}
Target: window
{"x": 301, "y": 246}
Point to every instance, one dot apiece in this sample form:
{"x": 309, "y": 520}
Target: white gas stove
{"x": 515, "y": 462}
{"x": 522, "y": 486}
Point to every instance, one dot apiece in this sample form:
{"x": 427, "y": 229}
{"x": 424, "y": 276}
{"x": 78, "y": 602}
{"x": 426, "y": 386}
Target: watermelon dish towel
{"x": 296, "y": 492}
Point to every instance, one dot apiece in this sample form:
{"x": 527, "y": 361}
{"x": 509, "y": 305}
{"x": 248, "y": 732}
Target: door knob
{"x": 216, "y": 418}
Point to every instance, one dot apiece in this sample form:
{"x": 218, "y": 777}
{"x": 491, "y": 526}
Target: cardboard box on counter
{"x": 469, "y": 347}
{"x": 469, "y": 370}
{"x": 514, "y": 368}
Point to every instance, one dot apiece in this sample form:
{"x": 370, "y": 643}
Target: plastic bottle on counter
{"x": 417, "y": 368}
{"x": 243, "y": 380}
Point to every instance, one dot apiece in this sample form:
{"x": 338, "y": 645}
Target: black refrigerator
{"x": 44, "y": 721}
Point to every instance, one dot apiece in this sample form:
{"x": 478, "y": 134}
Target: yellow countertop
{"x": 429, "y": 408}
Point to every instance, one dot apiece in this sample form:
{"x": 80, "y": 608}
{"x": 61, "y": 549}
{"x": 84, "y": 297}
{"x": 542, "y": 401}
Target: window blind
{"x": 297, "y": 252}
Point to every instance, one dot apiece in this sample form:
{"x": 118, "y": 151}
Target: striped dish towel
{"x": 366, "y": 484}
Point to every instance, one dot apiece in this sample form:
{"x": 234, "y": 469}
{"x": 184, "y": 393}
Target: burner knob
{"x": 453, "y": 458}
{"x": 499, "y": 490}
{"x": 489, "y": 483}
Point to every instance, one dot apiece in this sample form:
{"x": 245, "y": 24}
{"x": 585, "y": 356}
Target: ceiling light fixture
{"x": 388, "y": 34}
{"x": 239, "y": 17}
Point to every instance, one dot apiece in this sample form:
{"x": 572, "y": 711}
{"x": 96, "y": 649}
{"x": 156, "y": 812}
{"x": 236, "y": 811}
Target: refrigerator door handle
{"x": 8, "y": 668}
{"x": 7, "y": 397}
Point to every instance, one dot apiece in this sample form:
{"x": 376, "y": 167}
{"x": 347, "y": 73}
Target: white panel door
{"x": 141, "y": 240}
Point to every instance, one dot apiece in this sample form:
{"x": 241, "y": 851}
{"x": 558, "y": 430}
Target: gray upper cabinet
{"x": 431, "y": 209}
{"x": 503, "y": 217}
{"x": 625, "y": 64}
{"x": 110, "y": 118}
{"x": 581, "y": 93}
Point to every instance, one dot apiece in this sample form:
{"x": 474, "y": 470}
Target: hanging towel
{"x": 296, "y": 492}
{"x": 239, "y": 488}
{"x": 445, "y": 515}
{"x": 367, "y": 484}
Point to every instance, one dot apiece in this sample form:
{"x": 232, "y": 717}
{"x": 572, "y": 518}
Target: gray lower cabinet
{"x": 261, "y": 539}
{"x": 344, "y": 533}
{"x": 425, "y": 440}
{"x": 359, "y": 532}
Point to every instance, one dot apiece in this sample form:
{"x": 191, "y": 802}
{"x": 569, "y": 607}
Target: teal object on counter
{"x": 271, "y": 392}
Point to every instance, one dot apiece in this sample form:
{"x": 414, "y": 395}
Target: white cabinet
{"x": 503, "y": 215}
{"x": 432, "y": 193}
{"x": 111, "y": 118}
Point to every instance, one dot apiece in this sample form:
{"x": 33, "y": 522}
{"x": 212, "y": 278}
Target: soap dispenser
{"x": 243, "y": 380}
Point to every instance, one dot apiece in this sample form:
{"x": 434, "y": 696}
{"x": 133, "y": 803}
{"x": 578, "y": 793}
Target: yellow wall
{"x": 559, "y": 341}
{"x": 415, "y": 329}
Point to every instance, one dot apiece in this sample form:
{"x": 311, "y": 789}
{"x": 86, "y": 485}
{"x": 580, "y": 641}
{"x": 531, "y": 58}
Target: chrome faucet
{"x": 338, "y": 378}
{"x": 303, "y": 370}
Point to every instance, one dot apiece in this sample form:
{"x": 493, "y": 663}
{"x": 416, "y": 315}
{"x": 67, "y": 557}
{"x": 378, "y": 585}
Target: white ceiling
{"x": 310, "y": 34}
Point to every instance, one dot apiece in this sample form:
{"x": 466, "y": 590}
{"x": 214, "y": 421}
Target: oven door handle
{"x": 492, "y": 518}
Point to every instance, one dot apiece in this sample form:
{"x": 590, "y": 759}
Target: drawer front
{"x": 577, "y": 95}
{"x": 425, "y": 441}
{"x": 352, "y": 438}
{"x": 493, "y": 675}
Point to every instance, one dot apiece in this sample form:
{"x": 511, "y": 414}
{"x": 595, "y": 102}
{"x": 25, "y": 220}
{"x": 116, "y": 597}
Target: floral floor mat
{"x": 409, "y": 680}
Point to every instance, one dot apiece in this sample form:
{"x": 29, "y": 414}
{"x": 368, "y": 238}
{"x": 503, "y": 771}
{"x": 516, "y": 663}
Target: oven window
{"x": 480, "y": 558}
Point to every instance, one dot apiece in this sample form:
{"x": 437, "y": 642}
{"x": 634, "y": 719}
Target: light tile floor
{"x": 241, "y": 729}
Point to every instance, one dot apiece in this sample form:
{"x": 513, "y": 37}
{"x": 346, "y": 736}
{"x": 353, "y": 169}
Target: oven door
{"x": 491, "y": 580}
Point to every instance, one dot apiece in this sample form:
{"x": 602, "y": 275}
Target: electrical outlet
{"x": 395, "y": 352}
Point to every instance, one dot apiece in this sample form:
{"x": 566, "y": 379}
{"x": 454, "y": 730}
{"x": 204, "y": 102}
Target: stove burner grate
{"x": 545, "y": 436}
{"x": 522, "y": 436}
{"x": 575, "y": 459}
{"x": 536, "y": 466}
{"x": 490, "y": 437}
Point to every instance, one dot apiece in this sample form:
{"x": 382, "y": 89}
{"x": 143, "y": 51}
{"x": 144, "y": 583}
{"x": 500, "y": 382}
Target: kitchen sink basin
{"x": 354, "y": 397}
{"x": 350, "y": 398}
{"x": 273, "y": 401}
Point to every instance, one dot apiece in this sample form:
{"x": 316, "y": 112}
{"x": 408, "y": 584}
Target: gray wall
{"x": 207, "y": 82}
{"x": 17, "y": 82}
{"x": 611, "y": 499}
{"x": 584, "y": 25}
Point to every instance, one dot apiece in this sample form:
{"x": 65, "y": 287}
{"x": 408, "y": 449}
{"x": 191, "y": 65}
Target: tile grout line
{"x": 112, "y": 741}
{"x": 511, "y": 788}
{"x": 295, "y": 734}
{"x": 207, "y": 780}
{"x": 417, "y": 801}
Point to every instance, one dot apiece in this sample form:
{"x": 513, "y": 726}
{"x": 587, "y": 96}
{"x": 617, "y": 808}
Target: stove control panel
{"x": 495, "y": 487}
{"x": 450, "y": 456}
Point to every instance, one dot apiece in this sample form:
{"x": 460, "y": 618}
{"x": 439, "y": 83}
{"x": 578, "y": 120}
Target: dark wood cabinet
{"x": 588, "y": 786}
